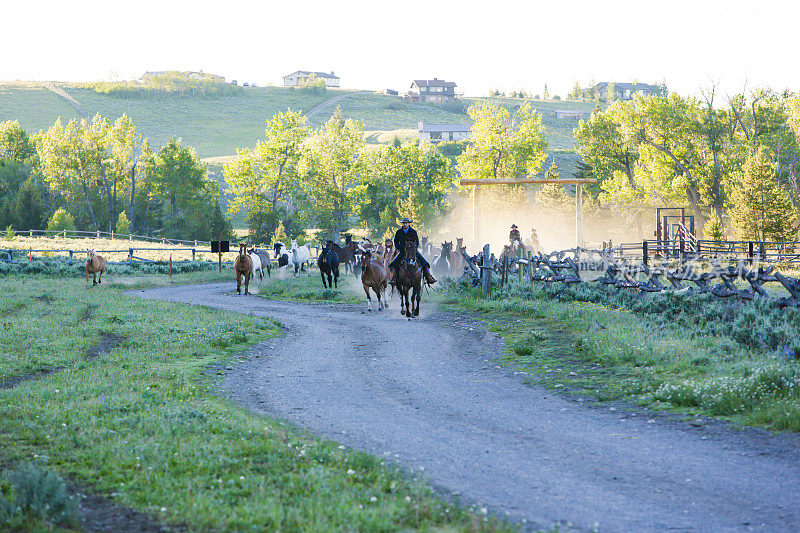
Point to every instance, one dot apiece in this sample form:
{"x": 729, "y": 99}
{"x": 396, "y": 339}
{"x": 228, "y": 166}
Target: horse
{"x": 282, "y": 254}
{"x": 328, "y": 263}
{"x": 456, "y": 259}
{"x": 263, "y": 255}
{"x": 388, "y": 253}
{"x": 243, "y": 265}
{"x": 376, "y": 277}
{"x": 300, "y": 256}
{"x": 409, "y": 277}
{"x": 441, "y": 264}
{"x": 346, "y": 254}
{"x": 256, "y": 259}
{"x": 94, "y": 264}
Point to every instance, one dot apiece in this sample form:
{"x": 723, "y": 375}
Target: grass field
{"x": 218, "y": 126}
{"x": 144, "y": 425}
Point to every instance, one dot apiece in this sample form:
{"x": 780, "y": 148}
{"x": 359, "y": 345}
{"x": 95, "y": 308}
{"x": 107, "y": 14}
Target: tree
{"x": 123, "y": 224}
{"x": 503, "y": 146}
{"x": 29, "y": 208}
{"x": 60, "y": 221}
{"x": 576, "y": 93}
{"x": 761, "y": 208}
{"x": 546, "y": 93}
{"x": 611, "y": 92}
{"x": 128, "y": 149}
{"x": 331, "y": 168}
{"x": 15, "y": 144}
{"x": 260, "y": 180}
{"x": 411, "y": 179}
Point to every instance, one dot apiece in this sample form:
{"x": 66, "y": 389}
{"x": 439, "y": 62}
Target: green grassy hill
{"x": 217, "y": 126}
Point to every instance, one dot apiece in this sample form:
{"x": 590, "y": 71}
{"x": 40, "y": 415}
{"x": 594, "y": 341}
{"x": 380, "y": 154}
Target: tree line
{"x": 736, "y": 166}
{"x": 98, "y": 175}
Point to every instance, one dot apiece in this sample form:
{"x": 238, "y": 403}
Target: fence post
{"x": 486, "y": 275}
{"x": 762, "y": 252}
{"x": 170, "y": 266}
{"x": 750, "y": 252}
{"x": 520, "y": 255}
{"x": 220, "y": 261}
{"x": 193, "y": 251}
{"x": 530, "y": 267}
{"x": 644, "y": 252}
{"x": 98, "y": 234}
{"x": 130, "y": 255}
{"x": 70, "y": 257}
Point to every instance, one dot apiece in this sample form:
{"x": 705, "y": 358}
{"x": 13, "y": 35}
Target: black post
{"x": 762, "y": 252}
{"x": 682, "y": 250}
{"x": 750, "y": 252}
{"x": 644, "y": 252}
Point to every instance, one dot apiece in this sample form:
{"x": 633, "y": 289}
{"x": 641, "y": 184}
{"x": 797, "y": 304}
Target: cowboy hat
{"x": 513, "y": 225}
{"x": 406, "y": 219}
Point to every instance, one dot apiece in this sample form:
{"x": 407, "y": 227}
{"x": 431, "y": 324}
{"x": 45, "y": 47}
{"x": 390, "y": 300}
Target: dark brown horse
{"x": 328, "y": 263}
{"x": 243, "y": 266}
{"x": 376, "y": 277}
{"x": 409, "y": 278}
{"x": 347, "y": 255}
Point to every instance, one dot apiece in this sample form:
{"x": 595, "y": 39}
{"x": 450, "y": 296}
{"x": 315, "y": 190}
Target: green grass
{"x": 309, "y": 288}
{"x": 34, "y": 107}
{"x": 686, "y": 353}
{"x": 145, "y": 425}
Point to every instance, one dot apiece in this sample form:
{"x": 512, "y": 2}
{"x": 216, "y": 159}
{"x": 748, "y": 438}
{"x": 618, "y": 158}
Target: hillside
{"x": 217, "y": 126}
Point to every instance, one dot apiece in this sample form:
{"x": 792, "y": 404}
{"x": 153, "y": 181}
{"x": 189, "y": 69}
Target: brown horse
{"x": 409, "y": 277}
{"x": 376, "y": 277}
{"x": 243, "y": 266}
{"x": 388, "y": 253}
{"x": 456, "y": 259}
{"x": 346, "y": 255}
{"x": 94, "y": 264}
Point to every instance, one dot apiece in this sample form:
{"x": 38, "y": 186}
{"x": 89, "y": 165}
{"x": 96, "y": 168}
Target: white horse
{"x": 256, "y": 264}
{"x": 301, "y": 255}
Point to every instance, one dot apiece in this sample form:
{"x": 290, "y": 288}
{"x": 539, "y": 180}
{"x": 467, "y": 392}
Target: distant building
{"x": 294, "y": 79}
{"x": 569, "y": 114}
{"x": 436, "y": 133}
{"x": 435, "y": 90}
{"x": 625, "y": 91}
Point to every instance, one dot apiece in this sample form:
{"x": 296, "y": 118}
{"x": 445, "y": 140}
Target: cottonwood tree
{"x": 411, "y": 179}
{"x": 261, "y": 180}
{"x": 331, "y": 167}
{"x": 15, "y": 144}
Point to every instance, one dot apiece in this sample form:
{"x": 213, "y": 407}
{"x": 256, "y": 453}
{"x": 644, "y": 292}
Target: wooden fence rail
{"x": 606, "y": 267}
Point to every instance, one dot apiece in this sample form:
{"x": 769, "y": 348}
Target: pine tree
{"x": 762, "y": 210}
{"x": 714, "y": 230}
{"x": 552, "y": 198}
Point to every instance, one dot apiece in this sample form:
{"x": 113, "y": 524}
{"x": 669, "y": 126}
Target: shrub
{"x": 10, "y": 233}
{"x": 60, "y": 221}
{"x": 123, "y": 224}
{"x": 35, "y": 494}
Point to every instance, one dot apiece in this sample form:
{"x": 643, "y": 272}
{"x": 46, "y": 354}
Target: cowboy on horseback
{"x": 407, "y": 233}
{"x": 513, "y": 235}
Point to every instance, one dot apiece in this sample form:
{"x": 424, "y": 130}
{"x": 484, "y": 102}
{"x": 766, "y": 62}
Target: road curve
{"x": 427, "y": 394}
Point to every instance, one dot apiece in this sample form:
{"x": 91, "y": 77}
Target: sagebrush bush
{"x": 35, "y": 495}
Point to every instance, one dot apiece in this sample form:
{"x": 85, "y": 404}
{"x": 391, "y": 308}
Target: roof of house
{"x": 622, "y": 86}
{"x": 435, "y": 82}
{"x": 426, "y": 128}
{"x": 318, "y": 74}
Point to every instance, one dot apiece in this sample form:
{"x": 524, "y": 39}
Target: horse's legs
{"x": 416, "y": 297}
{"x": 100, "y": 277}
{"x": 238, "y": 283}
{"x": 369, "y": 298}
{"x": 322, "y": 275}
{"x": 247, "y": 283}
{"x": 378, "y": 293}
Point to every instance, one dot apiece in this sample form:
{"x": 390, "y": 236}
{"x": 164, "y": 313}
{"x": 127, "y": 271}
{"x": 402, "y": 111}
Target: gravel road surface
{"x": 429, "y": 395}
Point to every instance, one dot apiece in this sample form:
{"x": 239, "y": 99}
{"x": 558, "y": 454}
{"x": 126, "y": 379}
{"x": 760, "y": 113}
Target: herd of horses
{"x": 362, "y": 258}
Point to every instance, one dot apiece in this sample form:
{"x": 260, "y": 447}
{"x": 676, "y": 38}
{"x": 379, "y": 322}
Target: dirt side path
{"x": 426, "y": 394}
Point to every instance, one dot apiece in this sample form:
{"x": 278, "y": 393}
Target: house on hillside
{"x": 625, "y": 91}
{"x": 295, "y": 78}
{"x": 436, "y": 133}
{"x": 435, "y": 90}
{"x": 564, "y": 113}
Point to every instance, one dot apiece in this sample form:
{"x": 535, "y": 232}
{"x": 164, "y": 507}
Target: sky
{"x": 376, "y": 45}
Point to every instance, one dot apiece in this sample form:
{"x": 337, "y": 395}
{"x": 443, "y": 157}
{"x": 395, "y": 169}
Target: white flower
{"x": 373, "y": 499}
{"x": 408, "y": 499}
{"x": 350, "y": 471}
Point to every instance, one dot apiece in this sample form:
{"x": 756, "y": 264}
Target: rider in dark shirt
{"x": 406, "y": 233}
{"x": 513, "y": 235}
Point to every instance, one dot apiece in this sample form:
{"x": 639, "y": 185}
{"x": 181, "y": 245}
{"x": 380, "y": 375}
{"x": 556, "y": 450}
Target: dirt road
{"x": 428, "y": 395}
